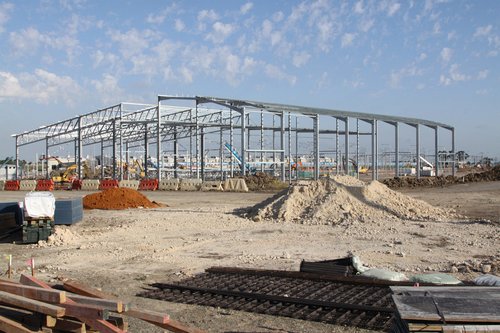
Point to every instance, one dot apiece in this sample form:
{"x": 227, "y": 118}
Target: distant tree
{"x": 461, "y": 156}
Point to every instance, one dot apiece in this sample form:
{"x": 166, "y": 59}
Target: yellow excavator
{"x": 68, "y": 175}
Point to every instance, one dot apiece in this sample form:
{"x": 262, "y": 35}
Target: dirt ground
{"x": 124, "y": 251}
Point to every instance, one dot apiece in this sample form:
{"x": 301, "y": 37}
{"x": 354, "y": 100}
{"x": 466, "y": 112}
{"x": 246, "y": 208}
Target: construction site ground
{"x": 124, "y": 251}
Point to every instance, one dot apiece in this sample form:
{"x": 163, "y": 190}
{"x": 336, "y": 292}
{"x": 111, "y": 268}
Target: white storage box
{"x": 39, "y": 205}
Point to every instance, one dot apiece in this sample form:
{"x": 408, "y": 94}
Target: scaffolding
{"x": 249, "y": 136}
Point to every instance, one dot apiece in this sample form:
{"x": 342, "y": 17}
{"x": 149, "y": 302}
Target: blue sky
{"x": 431, "y": 59}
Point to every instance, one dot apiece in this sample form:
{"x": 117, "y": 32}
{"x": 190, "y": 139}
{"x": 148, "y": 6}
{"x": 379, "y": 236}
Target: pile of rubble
{"x": 487, "y": 264}
{"x": 343, "y": 199}
{"x": 399, "y": 182}
{"x": 262, "y": 181}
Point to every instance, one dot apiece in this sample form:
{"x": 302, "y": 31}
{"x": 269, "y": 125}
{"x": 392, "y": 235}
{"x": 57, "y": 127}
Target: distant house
{"x": 7, "y": 171}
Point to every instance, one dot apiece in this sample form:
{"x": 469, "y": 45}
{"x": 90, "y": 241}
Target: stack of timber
{"x": 446, "y": 309}
{"x": 31, "y": 305}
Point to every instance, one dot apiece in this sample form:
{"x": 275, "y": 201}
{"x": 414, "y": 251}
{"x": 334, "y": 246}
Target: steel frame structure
{"x": 128, "y": 125}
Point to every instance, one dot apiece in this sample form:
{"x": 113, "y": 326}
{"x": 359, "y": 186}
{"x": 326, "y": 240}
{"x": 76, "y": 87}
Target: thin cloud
{"x": 179, "y": 25}
{"x": 393, "y": 9}
{"x": 244, "y": 9}
{"x": 220, "y": 31}
{"x": 277, "y": 73}
{"x": 300, "y": 59}
{"x": 483, "y": 31}
{"x": 5, "y": 9}
{"x": 482, "y": 74}
{"x": 446, "y": 54}
{"x": 347, "y": 39}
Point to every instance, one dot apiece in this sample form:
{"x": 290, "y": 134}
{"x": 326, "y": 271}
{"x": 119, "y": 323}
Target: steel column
{"x": 243, "y": 141}
{"x": 357, "y": 147}
{"x": 417, "y": 148}
{"x": 16, "y": 177}
{"x": 79, "y": 141}
{"x": 282, "y": 146}
{"x": 47, "y": 173}
{"x": 221, "y": 150}
{"x": 159, "y": 155}
{"x": 296, "y": 149}
{"x": 289, "y": 148}
{"x": 376, "y": 149}
{"x": 373, "y": 151}
{"x": 102, "y": 158}
{"x": 231, "y": 142}
{"x": 197, "y": 142}
{"x": 274, "y": 147}
{"x": 202, "y": 153}
{"x": 337, "y": 147}
{"x": 176, "y": 152}
{"x": 316, "y": 147}
{"x": 396, "y": 148}
{"x": 346, "y": 146}
{"x": 261, "y": 140}
{"x": 453, "y": 151}
{"x": 127, "y": 161}
{"x": 114, "y": 149}
{"x": 436, "y": 157}
{"x": 146, "y": 146}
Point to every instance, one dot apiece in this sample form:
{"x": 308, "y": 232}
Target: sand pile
{"x": 343, "y": 199}
{"x": 61, "y": 236}
{"x": 117, "y": 198}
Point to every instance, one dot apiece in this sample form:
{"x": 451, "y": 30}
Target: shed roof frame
{"x": 125, "y": 123}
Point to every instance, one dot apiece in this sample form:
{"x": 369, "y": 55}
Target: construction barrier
{"x": 235, "y": 185}
{"x": 76, "y": 184}
{"x": 45, "y": 185}
{"x": 90, "y": 184}
{"x": 27, "y": 185}
{"x": 169, "y": 184}
{"x": 190, "y": 184}
{"x": 214, "y": 185}
{"x": 2, "y": 185}
{"x": 12, "y": 185}
{"x": 148, "y": 185}
{"x": 131, "y": 184}
{"x": 107, "y": 184}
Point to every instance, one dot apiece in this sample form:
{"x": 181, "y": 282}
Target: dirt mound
{"x": 262, "y": 181}
{"x": 399, "y": 182}
{"x": 343, "y": 199}
{"x": 117, "y": 198}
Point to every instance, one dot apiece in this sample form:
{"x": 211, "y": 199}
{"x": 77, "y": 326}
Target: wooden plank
{"x": 31, "y": 304}
{"x": 49, "y": 321}
{"x": 459, "y": 310}
{"x": 40, "y": 294}
{"x": 29, "y": 280}
{"x": 111, "y": 305}
{"x": 471, "y": 328}
{"x": 172, "y": 325}
{"x": 80, "y": 289}
{"x": 98, "y": 324}
{"x": 177, "y": 327}
{"x": 10, "y": 326}
{"x": 29, "y": 319}
{"x": 151, "y": 316}
{"x": 76, "y": 310}
{"x": 68, "y": 325}
{"x": 450, "y": 292}
{"x": 118, "y": 321}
